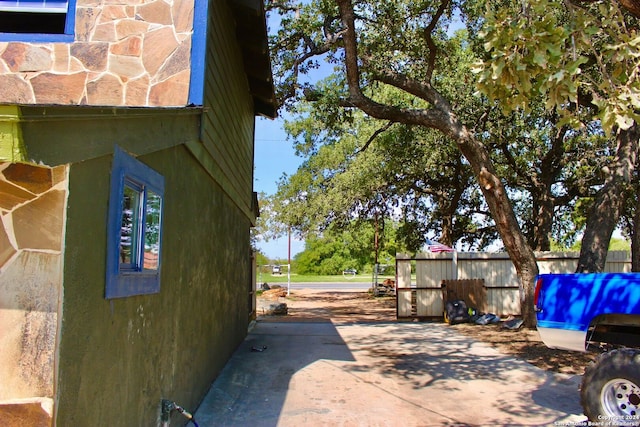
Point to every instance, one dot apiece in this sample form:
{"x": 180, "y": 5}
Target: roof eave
{"x": 251, "y": 33}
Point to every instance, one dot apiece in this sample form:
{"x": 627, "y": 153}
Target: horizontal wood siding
{"x": 228, "y": 123}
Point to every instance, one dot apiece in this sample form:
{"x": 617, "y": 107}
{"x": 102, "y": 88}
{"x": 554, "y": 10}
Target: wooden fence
{"x": 423, "y": 298}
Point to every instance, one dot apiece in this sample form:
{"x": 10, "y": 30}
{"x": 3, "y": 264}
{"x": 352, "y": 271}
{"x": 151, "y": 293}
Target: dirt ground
{"x": 351, "y": 307}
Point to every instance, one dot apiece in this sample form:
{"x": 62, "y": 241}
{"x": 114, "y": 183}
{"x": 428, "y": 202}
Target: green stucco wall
{"x": 119, "y": 358}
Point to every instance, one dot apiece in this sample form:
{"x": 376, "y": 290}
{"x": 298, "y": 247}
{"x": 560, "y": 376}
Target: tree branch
{"x": 631, "y": 6}
{"x": 280, "y": 5}
{"x": 373, "y": 136}
{"x": 439, "y": 118}
{"x": 423, "y": 91}
{"x": 433, "y": 49}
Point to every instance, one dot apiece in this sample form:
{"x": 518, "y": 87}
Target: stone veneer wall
{"x": 32, "y": 213}
{"x": 125, "y": 53}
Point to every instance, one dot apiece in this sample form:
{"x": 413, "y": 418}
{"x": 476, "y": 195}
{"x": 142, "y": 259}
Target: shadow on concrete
{"x": 252, "y": 388}
{"x": 382, "y": 373}
{"x": 459, "y": 380}
{"x": 340, "y": 360}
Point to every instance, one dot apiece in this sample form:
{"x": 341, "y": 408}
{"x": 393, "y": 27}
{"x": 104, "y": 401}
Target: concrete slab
{"x": 382, "y": 374}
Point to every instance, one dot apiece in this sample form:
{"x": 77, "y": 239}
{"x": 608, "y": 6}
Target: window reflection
{"x": 152, "y": 231}
{"x": 129, "y": 227}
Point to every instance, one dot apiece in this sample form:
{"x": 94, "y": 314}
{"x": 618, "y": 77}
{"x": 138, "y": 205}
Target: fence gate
{"x": 428, "y": 302}
{"x": 471, "y": 291}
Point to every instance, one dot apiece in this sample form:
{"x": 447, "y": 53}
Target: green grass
{"x": 299, "y": 278}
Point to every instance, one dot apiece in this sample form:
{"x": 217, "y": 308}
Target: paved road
{"x": 337, "y": 286}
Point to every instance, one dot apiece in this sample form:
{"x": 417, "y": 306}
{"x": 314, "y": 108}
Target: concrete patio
{"x": 382, "y": 374}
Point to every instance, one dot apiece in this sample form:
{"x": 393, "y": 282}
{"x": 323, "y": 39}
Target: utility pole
{"x": 289, "y": 265}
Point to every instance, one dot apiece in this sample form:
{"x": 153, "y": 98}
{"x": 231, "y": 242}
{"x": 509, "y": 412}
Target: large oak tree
{"x": 400, "y": 44}
{"x": 354, "y": 41}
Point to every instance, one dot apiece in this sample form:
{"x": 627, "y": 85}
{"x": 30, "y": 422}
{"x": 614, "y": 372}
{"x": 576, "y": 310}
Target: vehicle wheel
{"x": 610, "y": 390}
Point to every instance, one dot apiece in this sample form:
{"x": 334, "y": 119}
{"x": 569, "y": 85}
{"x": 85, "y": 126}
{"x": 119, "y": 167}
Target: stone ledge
{"x": 33, "y": 412}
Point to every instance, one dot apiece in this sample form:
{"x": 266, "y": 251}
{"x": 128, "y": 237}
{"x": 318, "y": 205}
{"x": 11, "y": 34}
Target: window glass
{"x": 129, "y": 231}
{"x": 42, "y": 6}
{"x": 32, "y": 22}
{"x": 152, "y": 231}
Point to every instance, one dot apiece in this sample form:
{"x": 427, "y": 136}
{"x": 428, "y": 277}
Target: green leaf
{"x": 496, "y": 69}
{"x": 539, "y": 58}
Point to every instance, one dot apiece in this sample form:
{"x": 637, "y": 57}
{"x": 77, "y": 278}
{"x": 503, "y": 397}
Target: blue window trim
{"x": 126, "y": 282}
{"x": 198, "y": 51}
{"x": 67, "y": 37}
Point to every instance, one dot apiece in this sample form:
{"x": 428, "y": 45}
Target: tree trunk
{"x": 605, "y": 213}
{"x": 543, "y": 200}
{"x": 520, "y": 253}
{"x": 543, "y": 206}
{"x": 448, "y": 209}
{"x": 446, "y": 237}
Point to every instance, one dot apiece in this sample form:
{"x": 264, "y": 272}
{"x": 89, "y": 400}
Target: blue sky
{"x": 274, "y": 156}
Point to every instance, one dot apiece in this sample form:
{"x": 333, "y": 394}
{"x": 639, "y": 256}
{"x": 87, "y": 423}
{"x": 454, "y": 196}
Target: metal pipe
{"x": 167, "y": 406}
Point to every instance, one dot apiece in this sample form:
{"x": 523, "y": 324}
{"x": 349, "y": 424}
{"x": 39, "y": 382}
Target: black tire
{"x": 610, "y": 390}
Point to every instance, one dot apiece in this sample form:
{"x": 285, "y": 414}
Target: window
{"x": 37, "y": 20}
{"x": 134, "y": 228}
